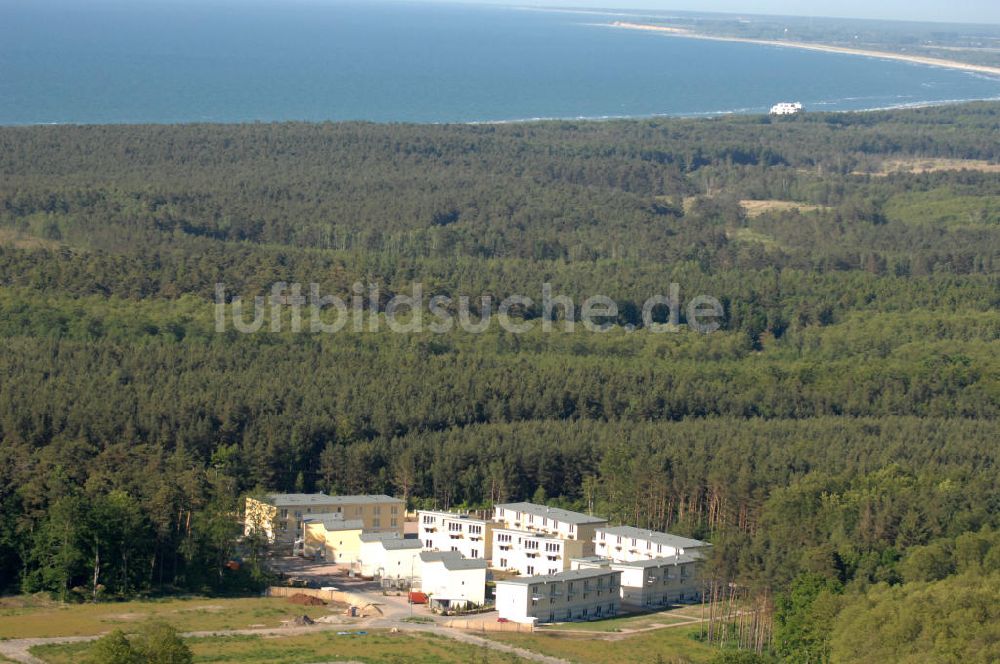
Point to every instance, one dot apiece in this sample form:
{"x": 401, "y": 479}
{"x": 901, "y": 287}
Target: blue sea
{"x": 165, "y": 61}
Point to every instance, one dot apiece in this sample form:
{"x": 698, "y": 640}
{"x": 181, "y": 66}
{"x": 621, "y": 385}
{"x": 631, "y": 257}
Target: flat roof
{"x": 571, "y": 575}
{"x": 659, "y": 562}
{"x": 335, "y": 521}
{"x": 452, "y": 560}
{"x": 451, "y": 515}
{"x": 667, "y": 539}
{"x": 556, "y": 513}
{"x": 530, "y": 533}
{"x": 295, "y": 499}
{"x": 378, "y": 537}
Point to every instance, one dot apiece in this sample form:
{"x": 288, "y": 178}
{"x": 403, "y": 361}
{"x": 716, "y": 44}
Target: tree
{"x": 159, "y": 643}
{"x": 113, "y": 648}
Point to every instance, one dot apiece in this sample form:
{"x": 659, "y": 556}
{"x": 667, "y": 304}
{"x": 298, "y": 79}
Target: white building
{"x": 787, "y": 108}
{"x": 564, "y": 524}
{"x": 647, "y": 584}
{"x": 531, "y": 554}
{"x": 625, "y": 543}
{"x": 389, "y": 556}
{"x": 583, "y": 594}
{"x": 448, "y": 531}
{"x": 452, "y": 581}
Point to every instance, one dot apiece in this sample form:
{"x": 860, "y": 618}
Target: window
{"x": 454, "y": 548}
{"x": 454, "y": 527}
{"x": 552, "y": 547}
{"x": 659, "y": 548}
{"x": 395, "y": 522}
{"x": 531, "y": 570}
{"x": 503, "y": 563}
{"x": 376, "y": 523}
{"x": 395, "y": 509}
{"x": 474, "y": 553}
{"x": 378, "y": 509}
{"x": 531, "y": 544}
{"x": 283, "y": 514}
{"x": 428, "y": 519}
{"x": 476, "y": 530}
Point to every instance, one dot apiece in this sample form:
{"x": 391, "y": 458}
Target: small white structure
{"x": 787, "y": 108}
{"x": 583, "y": 594}
{"x": 647, "y": 584}
{"x": 531, "y": 554}
{"x": 560, "y": 523}
{"x": 389, "y": 556}
{"x": 449, "y": 531}
{"x": 451, "y": 580}
{"x": 625, "y": 544}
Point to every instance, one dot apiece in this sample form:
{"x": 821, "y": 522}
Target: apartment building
{"x": 451, "y": 580}
{"x": 625, "y": 543}
{"x": 657, "y": 582}
{"x": 389, "y": 556}
{"x": 280, "y": 515}
{"x": 449, "y": 531}
{"x": 533, "y": 553}
{"x": 560, "y": 523}
{"x": 332, "y": 538}
{"x": 582, "y": 594}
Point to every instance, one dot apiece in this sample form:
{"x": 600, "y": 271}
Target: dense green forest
{"x": 836, "y": 439}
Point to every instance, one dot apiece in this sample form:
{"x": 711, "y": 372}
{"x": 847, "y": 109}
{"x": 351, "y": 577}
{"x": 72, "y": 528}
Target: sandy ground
{"x": 885, "y": 55}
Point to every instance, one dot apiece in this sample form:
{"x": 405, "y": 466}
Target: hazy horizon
{"x": 985, "y": 12}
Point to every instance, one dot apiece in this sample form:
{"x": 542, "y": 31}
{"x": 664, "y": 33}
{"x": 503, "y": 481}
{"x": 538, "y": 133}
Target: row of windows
{"x": 584, "y": 614}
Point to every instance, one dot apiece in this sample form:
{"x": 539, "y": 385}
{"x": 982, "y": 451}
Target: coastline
{"x": 824, "y": 48}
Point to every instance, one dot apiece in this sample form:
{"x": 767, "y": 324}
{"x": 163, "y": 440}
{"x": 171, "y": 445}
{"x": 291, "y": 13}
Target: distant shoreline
{"x": 884, "y": 55}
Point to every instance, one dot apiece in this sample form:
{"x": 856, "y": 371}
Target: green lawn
{"x": 36, "y": 616}
{"x": 945, "y": 207}
{"x": 673, "y": 644}
{"x": 376, "y": 648}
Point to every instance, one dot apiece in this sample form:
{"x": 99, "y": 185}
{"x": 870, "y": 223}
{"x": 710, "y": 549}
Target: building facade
{"x": 560, "y": 523}
{"x": 625, "y": 544}
{"x": 332, "y": 538}
{"x": 532, "y": 553}
{"x": 648, "y": 584}
{"x": 390, "y": 556}
{"x": 451, "y": 580}
{"x": 280, "y": 516}
{"x": 582, "y": 594}
{"x": 448, "y": 531}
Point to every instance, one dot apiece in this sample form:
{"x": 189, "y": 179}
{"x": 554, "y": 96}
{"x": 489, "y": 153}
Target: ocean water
{"x": 137, "y": 61}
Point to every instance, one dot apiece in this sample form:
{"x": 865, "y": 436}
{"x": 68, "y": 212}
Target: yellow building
{"x": 332, "y": 538}
{"x": 280, "y": 516}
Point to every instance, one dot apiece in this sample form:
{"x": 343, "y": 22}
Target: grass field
{"x": 375, "y": 647}
{"x": 36, "y": 616}
{"x": 756, "y": 208}
{"x": 943, "y": 206}
{"x": 673, "y": 644}
{"x": 623, "y": 623}
{"x": 890, "y": 166}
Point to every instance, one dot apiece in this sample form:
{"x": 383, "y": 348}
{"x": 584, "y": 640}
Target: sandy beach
{"x": 885, "y": 55}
